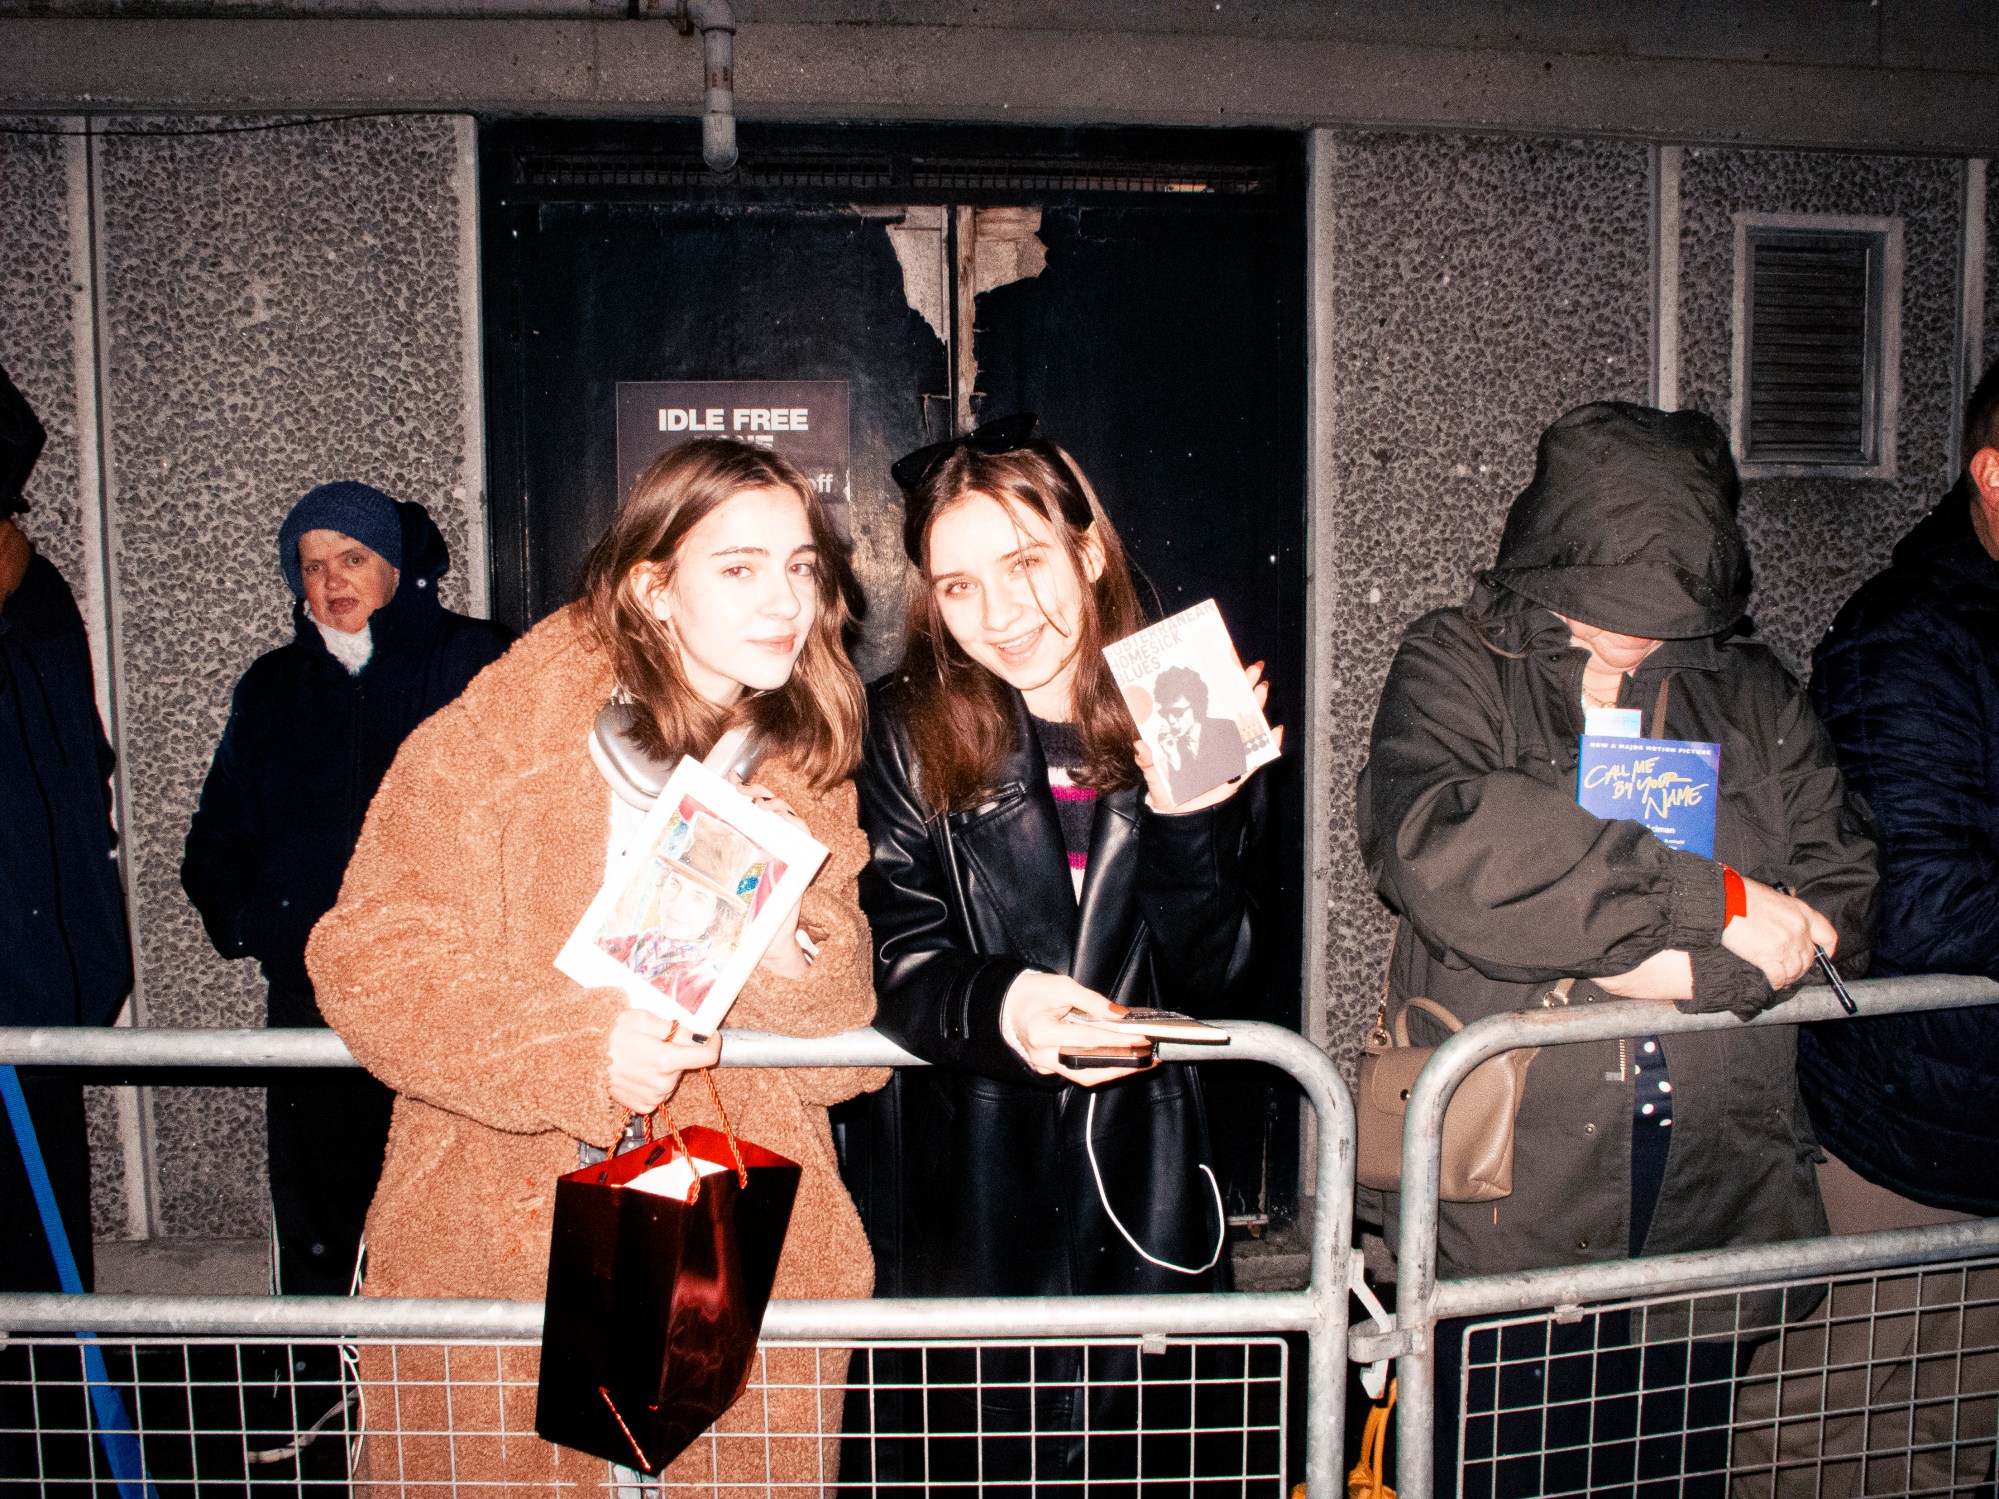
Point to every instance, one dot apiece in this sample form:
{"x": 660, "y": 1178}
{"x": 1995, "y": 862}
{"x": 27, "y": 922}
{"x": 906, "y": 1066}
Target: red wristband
{"x": 1735, "y": 896}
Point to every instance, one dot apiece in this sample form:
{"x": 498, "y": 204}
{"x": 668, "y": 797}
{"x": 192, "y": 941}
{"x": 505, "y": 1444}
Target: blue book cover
{"x": 1670, "y": 785}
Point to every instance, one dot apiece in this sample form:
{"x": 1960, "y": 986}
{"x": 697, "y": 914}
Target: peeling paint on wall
{"x": 1004, "y": 247}
{"x": 1007, "y": 247}
{"x": 919, "y": 242}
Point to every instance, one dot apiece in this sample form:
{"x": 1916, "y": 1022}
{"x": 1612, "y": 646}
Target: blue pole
{"x": 114, "y": 1425}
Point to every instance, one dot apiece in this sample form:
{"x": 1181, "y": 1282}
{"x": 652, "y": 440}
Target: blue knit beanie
{"x": 355, "y": 510}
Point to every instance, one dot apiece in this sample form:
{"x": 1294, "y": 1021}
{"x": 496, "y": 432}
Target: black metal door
{"x": 1162, "y": 343}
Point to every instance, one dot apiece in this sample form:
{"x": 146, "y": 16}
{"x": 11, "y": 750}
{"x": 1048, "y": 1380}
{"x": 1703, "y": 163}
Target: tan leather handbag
{"x": 1478, "y": 1124}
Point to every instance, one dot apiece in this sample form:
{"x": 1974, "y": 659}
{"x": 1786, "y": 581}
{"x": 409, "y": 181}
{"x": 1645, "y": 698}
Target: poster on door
{"x": 805, "y": 420}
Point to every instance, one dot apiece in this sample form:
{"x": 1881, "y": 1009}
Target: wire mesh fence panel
{"x": 1890, "y": 1386}
{"x": 139, "y": 1418}
{"x": 157, "y": 1418}
{"x": 1884, "y": 1383}
{"x": 1157, "y": 1416}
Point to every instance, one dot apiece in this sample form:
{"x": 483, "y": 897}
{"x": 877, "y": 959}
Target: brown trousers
{"x": 1888, "y": 1388}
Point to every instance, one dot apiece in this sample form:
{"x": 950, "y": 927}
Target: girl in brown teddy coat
{"x": 716, "y": 597}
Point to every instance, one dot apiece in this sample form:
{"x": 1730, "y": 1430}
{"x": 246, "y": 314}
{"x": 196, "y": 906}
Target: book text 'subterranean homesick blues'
{"x": 1184, "y": 685}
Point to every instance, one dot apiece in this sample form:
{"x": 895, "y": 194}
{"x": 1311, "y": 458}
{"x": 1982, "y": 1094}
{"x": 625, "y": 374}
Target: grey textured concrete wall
{"x": 277, "y": 307}
{"x": 1481, "y": 287}
{"x": 1816, "y": 540}
{"x": 280, "y": 308}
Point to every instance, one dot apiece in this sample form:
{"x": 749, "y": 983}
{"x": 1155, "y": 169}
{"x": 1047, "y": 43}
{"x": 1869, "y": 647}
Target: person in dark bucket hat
{"x": 312, "y": 729}
{"x": 1616, "y": 606}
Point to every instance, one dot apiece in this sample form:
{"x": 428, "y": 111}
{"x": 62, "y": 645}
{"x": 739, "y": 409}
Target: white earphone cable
{"x": 1221, "y": 1214}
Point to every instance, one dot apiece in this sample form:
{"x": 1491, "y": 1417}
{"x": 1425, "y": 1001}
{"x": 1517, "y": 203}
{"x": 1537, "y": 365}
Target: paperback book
{"x": 1184, "y": 685}
{"x": 1670, "y": 785}
{"x": 685, "y": 915}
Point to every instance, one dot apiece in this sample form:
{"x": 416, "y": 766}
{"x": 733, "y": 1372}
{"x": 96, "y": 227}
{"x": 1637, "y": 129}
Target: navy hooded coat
{"x": 304, "y": 749}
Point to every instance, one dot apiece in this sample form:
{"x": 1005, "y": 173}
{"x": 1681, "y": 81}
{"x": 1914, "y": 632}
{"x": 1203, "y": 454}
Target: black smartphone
{"x": 1107, "y": 1056}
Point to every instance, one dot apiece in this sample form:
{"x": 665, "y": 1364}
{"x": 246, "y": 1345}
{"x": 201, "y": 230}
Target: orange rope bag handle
{"x": 728, "y": 1129}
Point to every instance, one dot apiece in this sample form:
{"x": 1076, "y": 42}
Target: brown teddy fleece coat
{"x": 481, "y": 851}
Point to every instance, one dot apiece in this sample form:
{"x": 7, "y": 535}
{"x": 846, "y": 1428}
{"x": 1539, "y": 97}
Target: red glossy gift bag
{"x": 654, "y": 1302}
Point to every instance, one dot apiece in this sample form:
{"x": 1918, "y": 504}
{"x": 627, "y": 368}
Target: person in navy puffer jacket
{"x": 1907, "y": 1106}
{"x": 312, "y": 730}
{"x": 1907, "y": 683}
{"x": 65, "y": 958}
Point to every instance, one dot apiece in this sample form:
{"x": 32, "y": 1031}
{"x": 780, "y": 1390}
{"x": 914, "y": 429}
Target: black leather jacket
{"x": 973, "y": 1175}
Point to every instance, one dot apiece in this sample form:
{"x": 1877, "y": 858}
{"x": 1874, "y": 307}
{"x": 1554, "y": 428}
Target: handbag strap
{"x": 728, "y": 1129}
{"x": 1429, "y": 1007}
{"x": 680, "y": 1142}
{"x": 1379, "y": 1036}
{"x": 1659, "y": 706}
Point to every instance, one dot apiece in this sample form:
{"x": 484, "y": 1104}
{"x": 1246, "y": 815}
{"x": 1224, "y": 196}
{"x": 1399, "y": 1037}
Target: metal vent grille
{"x": 1814, "y": 349}
{"x": 891, "y": 176}
{"x": 1087, "y": 177}
{"x": 681, "y": 172}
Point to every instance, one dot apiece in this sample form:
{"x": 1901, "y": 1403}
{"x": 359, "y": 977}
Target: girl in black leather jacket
{"x": 1023, "y": 881}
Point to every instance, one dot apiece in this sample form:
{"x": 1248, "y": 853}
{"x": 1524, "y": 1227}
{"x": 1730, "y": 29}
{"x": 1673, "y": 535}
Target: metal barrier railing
{"x": 1422, "y": 1301}
{"x": 1319, "y": 1311}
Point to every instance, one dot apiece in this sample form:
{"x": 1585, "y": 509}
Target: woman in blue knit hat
{"x": 312, "y": 730}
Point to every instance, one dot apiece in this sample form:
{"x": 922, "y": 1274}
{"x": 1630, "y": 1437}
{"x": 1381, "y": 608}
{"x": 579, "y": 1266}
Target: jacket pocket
{"x": 1004, "y": 799}
{"x": 1752, "y": 831}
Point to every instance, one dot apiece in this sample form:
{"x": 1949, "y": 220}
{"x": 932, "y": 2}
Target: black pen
{"x": 1824, "y": 961}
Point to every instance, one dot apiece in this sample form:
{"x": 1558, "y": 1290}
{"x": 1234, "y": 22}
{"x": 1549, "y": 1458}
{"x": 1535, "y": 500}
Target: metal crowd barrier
{"x": 1067, "y": 1335}
{"x": 1851, "y": 1321}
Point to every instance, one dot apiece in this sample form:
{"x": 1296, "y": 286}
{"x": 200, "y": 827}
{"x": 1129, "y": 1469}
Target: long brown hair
{"x": 960, "y": 718}
{"x": 814, "y": 720}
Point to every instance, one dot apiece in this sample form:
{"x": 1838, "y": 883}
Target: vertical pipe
{"x": 718, "y": 122}
{"x": 1666, "y": 277}
{"x": 1322, "y": 550}
{"x": 1970, "y": 305}
{"x": 717, "y": 24}
{"x": 90, "y": 354}
{"x": 470, "y": 494}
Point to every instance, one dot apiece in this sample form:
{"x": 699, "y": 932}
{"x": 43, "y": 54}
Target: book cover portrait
{"x": 1184, "y": 685}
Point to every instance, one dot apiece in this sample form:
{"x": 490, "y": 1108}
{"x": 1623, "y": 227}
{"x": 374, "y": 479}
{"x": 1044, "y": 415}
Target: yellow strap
{"x": 1367, "y": 1480}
